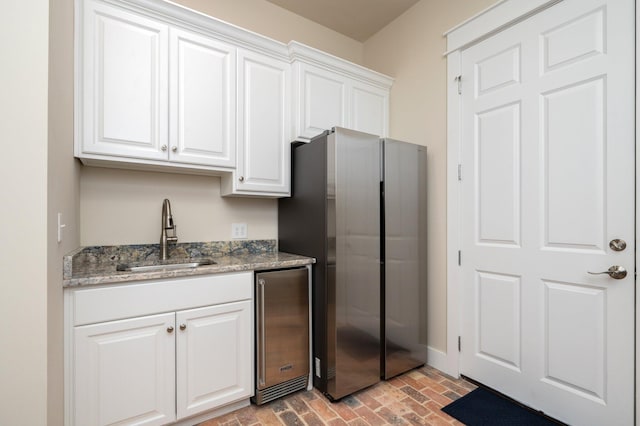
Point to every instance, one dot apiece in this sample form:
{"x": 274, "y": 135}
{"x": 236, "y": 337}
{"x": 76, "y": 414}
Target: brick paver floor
{"x": 414, "y": 398}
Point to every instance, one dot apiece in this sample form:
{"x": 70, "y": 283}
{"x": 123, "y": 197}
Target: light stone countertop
{"x": 98, "y": 265}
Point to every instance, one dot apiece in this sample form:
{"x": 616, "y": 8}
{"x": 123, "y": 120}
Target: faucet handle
{"x": 173, "y": 238}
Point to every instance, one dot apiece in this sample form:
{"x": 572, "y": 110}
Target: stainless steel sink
{"x": 164, "y": 266}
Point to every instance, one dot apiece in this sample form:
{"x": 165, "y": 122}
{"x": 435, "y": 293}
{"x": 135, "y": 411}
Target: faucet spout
{"x": 167, "y": 224}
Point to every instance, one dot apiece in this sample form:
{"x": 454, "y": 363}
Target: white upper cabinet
{"x": 202, "y": 100}
{"x": 330, "y": 92}
{"x": 154, "y": 94}
{"x": 161, "y": 87}
{"x": 321, "y": 101}
{"x": 124, "y": 93}
{"x": 369, "y": 109}
{"x": 263, "y": 127}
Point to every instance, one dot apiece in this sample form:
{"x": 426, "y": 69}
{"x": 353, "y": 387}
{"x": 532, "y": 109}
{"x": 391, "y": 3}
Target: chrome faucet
{"x": 167, "y": 225}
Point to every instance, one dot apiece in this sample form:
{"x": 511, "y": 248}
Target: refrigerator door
{"x": 405, "y": 251}
{"x": 353, "y": 270}
{"x": 282, "y": 327}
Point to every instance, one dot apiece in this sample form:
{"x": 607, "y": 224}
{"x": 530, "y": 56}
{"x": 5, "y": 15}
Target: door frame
{"x": 501, "y": 15}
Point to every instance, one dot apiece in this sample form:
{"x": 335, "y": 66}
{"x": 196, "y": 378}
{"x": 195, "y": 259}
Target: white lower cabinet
{"x": 212, "y": 355}
{"x": 159, "y": 368}
{"x": 125, "y": 372}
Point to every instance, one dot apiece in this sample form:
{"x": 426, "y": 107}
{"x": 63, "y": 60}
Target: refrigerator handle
{"x": 261, "y": 341}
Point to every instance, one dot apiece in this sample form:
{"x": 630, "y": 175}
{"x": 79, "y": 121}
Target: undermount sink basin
{"x": 164, "y": 266}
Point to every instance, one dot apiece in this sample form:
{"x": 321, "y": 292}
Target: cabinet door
{"x": 214, "y": 357}
{"x": 124, "y": 92}
{"x": 322, "y": 101}
{"x": 263, "y": 124}
{"x": 202, "y": 94}
{"x": 369, "y": 109}
{"x": 125, "y": 372}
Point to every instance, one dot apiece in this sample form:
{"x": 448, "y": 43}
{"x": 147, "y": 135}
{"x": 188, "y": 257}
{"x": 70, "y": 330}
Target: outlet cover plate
{"x": 238, "y": 231}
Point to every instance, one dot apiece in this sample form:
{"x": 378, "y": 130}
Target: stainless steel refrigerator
{"x": 358, "y": 206}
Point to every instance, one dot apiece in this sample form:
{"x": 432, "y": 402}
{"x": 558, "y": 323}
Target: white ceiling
{"x": 358, "y": 19}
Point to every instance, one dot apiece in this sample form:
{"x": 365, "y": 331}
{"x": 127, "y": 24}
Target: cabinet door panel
{"x": 125, "y": 372}
{"x": 125, "y": 80}
{"x": 263, "y": 124}
{"x": 214, "y": 357}
{"x": 203, "y": 76}
{"x": 323, "y": 101}
{"x": 369, "y": 106}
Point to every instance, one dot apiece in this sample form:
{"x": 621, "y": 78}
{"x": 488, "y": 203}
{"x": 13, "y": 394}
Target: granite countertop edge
{"x": 92, "y": 274}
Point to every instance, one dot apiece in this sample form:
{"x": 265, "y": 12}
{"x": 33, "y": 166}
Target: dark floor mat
{"x": 482, "y": 407}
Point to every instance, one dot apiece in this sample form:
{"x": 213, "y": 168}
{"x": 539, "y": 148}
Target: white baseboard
{"x": 439, "y": 360}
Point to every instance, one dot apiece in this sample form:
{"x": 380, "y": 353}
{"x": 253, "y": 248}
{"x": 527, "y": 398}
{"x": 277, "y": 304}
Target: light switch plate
{"x": 238, "y": 231}
{"x": 61, "y": 226}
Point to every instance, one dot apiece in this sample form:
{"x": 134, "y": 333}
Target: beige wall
{"x": 120, "y": 207}
{"x": 279, "y": 24}
{"x": 124, "y": 207}
{"x": 410, "y": 49}
{"x": 23, "y": 252}
{"x": 63, "y": 176}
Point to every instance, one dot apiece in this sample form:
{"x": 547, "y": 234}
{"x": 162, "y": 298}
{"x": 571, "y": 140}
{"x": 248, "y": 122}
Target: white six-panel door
{"x": 548, "y": 182}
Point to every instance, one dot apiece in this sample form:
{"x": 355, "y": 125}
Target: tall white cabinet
{"x": 161, "y": 87}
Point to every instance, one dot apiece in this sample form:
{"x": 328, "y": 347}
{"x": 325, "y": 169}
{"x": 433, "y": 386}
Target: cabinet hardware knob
{"x": 241, "y": 178}
{"x": 174, "y": 148}
{"x": 170, "y": 329}
{"x": 183, "y": 326}
{"x": 163, "y": 148}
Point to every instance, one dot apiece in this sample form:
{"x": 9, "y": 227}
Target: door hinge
{"x": 459, "y": 257}
{"x": 458, "y": 80}
{"x": 459, "y": 171}
{"x": 459, "y": 344}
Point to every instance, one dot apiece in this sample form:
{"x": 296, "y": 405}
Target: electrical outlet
{"x": 238, "y": 231}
